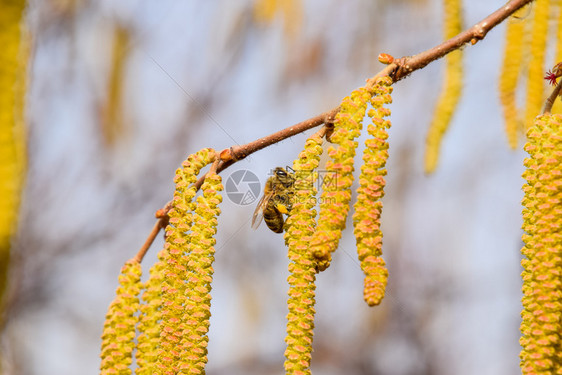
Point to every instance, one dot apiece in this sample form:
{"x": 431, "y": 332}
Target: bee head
{"x": 280, "y": 172}
{"x": 283, "y": 177}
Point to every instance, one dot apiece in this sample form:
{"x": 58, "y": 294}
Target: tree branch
{"x": 397, "y": 70}
{"x": 550, "y": 100}
{"x": 163, "y": 219}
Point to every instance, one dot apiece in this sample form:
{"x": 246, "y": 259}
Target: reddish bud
{"x": 385, "y": 58}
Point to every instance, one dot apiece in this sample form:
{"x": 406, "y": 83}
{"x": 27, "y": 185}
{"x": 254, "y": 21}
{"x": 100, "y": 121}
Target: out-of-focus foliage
{"x": 452, "y": 85}
{"x": 113, "y": 121}
{"x": 291, "y": 11}
{"x": 510, "y": 73}
{"x": 538, "y": 38}
{"x": 528, "y": 39}
{"x": 13, "y": 62}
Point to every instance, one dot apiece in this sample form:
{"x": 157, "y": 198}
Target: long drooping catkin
{"x": 541, "y": 326}
{"x": 338, "y": 177}
{"x": 118, "y": 338}
{"x": 303, "y": 265}
{"x": 368, "y": 208}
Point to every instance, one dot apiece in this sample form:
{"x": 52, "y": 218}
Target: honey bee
{"x": 276, "y": 200}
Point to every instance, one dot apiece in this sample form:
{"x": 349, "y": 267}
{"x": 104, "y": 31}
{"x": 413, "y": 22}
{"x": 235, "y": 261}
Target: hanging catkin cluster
{"x": 174, "y": 288}
{"x": 302, "y": 266}
{"x": 452, "y": 86}
{"x": 368, "y": 207}
{"x": 541, "y": 326}
{"x": 336, "y": 189}
{"x": 174, "y": 317}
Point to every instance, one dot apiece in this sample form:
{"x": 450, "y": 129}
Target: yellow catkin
{"x": 174, "y": 288}
{"x": 149, "y": 320}
{"x": 118, "y": 338}
{"x": 302, "y": 267}
{"x": 338, "y": 177}
{"x": 13, "y": 56}
{"x": 266, "y": 10}
{"x": 557, "y": 107}
{"x": 558, "y": 52}
{"x": 535, "y": 81}
{"x": 541, "y": 326}
{"x": 509, "y": 74}
{"x": 451, "y": 90}
{"x": 199, "y": 276}
{"x": 113, "y": 124}
{"x": 292, "y": 12}
{"x": 368, "y": 207}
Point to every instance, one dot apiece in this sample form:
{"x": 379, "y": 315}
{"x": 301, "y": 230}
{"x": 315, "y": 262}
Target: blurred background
{"x": 121, "y": 92}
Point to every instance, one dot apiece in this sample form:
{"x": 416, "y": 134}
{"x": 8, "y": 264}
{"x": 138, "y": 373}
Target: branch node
{"x": 479, "y": 33}
{"x": 235, "y": 153}
{"x": 226, "y": 154}
{"x": 403, "y": 68}
{"x": 163, "y": 212}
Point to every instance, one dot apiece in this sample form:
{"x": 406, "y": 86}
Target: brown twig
{"x": 214, "y": 166}
{"x": 323, "y": 131}
{"x": 240, "y": 152}
{"x": 163, "y": 219}
{"x": 399, "y": 69}
{"x": 550, "y": 101}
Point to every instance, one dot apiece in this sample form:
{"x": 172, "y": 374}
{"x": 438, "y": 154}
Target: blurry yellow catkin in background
{"x": 509, "y": 74}
{"x": 557, "y": 107}
{"x": 13, "y": 56}
{"x": 291, "y": 10}
{"x": 113, "y": 122}
{"x": 452, "y": 86}
{"x": 538, "y": 40}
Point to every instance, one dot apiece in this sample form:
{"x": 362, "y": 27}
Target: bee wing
{"x": 258, "y": 213}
